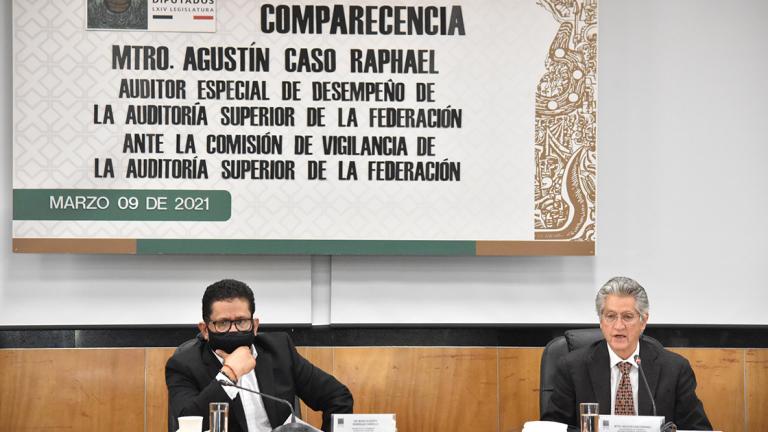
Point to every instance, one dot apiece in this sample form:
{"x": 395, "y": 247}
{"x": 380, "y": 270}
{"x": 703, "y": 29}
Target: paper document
{"x": 544, "y": 426}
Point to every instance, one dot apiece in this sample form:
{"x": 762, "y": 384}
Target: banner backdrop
{"x": 354, "y": 127}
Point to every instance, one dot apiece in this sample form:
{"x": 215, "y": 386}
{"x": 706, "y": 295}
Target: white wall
{"x": 681, "y": 188}
{"x": 681, "y": 207}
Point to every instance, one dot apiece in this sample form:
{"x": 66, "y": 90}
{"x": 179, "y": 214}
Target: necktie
{"x": 625, "y": 404}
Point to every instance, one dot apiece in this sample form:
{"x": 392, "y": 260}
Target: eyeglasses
{"x": 222, "y": 326}
{"x": 627, "y": 318}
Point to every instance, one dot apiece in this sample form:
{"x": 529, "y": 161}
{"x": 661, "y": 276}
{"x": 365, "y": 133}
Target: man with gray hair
{"x": 607, "y": 371}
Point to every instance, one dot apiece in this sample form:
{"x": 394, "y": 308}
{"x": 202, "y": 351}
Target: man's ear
{"x": 203, "y": 329}
{"x": 255, "y": 325}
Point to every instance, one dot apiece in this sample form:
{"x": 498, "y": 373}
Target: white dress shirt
{"x": 255, "y": 413}
{"x": 616, "y": 375}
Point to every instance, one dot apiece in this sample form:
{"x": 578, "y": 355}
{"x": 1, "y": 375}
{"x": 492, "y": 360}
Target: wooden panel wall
{"x": 757, "y": 390}
{"x": 720, "y": 379}
{"x": 157, "y": 393}
{"x": 519, "y": 389}
{"x": 70, "y": 389}
{"x": 430, "y": 389}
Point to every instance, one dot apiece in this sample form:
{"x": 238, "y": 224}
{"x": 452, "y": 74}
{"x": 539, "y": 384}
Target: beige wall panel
{"x": 720, "y": 377}
{"x": 157, "y": 392}
{"x": 430, "y": 389}
{"x": 72, "y": 389}
{"x": 757, "y": 390}
{"x": 322, "y": 358}
{"x": 518, "y": 387}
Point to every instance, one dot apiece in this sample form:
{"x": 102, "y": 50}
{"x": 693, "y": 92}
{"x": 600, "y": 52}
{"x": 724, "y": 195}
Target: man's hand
{"x": 241, "y": 360}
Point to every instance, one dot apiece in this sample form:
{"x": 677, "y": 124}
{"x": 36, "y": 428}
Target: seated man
{"x": 229, "y": 348}
{"x": 606, "y": 371}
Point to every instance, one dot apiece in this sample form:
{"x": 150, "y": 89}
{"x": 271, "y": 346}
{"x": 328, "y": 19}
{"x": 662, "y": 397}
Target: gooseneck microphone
{"x": 645, "y": 380}
{"x": 293, "y": 426}
{"x": 668, "y": 426}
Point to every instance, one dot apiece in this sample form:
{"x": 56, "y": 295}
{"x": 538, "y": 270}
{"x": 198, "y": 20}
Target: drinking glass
{"x": 219, "y": 416}
{"x": 590, "y": 413}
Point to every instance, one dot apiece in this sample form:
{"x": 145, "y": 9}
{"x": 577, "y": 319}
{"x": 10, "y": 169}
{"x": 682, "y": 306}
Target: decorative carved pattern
{"x": 566, "y": 126}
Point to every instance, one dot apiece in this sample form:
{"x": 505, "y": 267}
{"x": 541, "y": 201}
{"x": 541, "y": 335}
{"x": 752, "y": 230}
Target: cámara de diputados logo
{"x": 152, "y": 15}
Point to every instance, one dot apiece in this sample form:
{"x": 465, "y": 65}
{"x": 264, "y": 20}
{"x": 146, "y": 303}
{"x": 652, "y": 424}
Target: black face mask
{"x": 229, "y": 341}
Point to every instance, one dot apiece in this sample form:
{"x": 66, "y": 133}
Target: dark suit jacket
{"x": 280, "y": 371}
{"x": 584, "y": 376}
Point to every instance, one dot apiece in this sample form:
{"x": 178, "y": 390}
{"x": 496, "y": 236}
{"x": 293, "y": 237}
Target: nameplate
{"x": 363, "y": 423}
{"x": 614, "y": 423}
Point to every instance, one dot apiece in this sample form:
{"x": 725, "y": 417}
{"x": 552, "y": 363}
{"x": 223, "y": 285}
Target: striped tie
{"x": 625, "y": 404}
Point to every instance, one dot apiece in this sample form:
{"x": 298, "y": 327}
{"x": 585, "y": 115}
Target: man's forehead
{"x": 231, "y": 306}
{"x": 619, "y": 303}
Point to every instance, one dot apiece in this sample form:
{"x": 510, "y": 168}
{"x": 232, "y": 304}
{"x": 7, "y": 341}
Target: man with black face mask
{"x": 229, "y": 348}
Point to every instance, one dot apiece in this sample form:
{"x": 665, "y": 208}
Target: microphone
{"x": 668, "y": 426}
{"x": 293, "y": 426}
{"x": 645, "y": 380}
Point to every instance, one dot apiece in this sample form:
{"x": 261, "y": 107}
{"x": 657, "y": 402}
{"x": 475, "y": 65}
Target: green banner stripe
{"x": 121, "y": 205}
{"x": 306, "y": 247}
